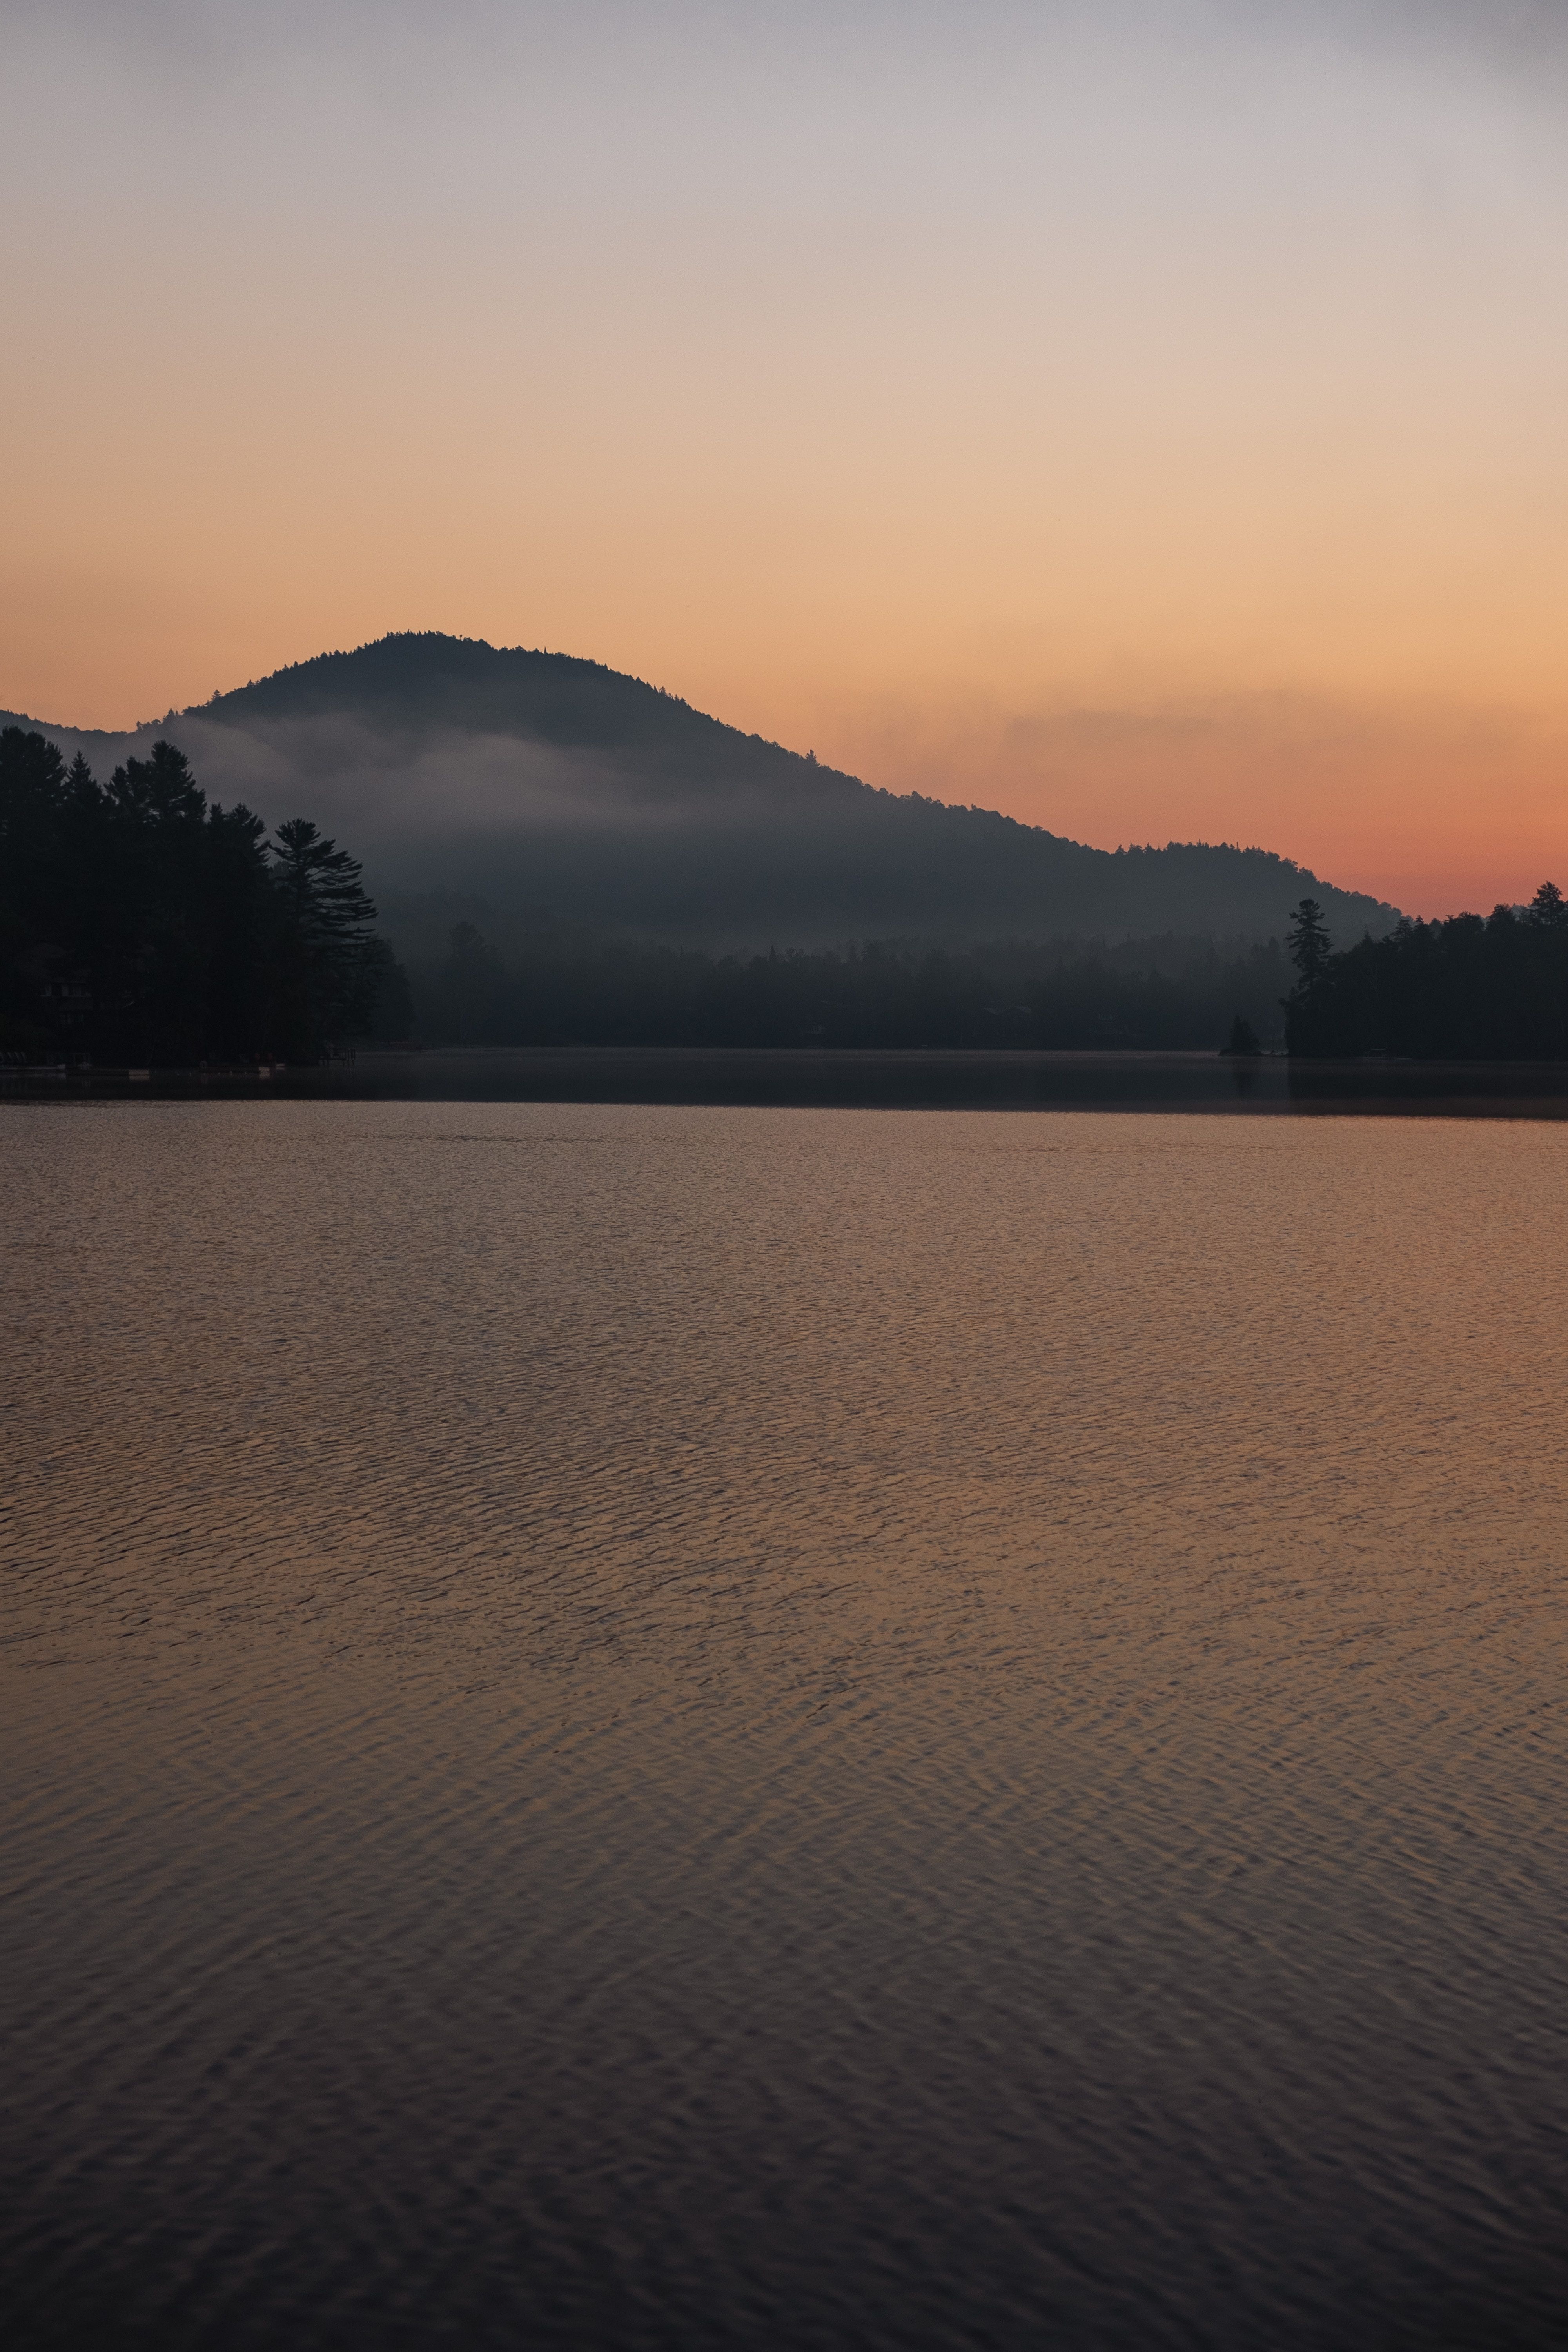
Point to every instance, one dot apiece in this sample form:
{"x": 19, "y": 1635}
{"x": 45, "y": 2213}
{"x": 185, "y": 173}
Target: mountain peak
{"x": 425, "y": 681}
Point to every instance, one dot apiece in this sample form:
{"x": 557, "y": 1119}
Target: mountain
{"x": 537, "y": 784}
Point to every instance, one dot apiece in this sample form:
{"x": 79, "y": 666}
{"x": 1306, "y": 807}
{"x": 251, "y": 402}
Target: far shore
{"x": 906, "y": 1078}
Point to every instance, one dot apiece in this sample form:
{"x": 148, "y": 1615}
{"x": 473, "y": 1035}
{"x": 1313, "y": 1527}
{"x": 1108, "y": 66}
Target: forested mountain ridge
{"x": 141, "y": 922}
{"x": 555, "y": 788}
{"x": 431, "y": 685}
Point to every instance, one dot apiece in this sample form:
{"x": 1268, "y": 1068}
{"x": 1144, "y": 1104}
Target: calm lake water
{"x": 687, "y": 1727}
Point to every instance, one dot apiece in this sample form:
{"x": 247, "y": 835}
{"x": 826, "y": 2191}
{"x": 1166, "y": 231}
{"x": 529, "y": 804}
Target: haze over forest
{"x": 530, "y": 786}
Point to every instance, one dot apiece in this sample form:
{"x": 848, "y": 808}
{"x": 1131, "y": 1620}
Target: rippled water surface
{"x": 693, "y": 1728}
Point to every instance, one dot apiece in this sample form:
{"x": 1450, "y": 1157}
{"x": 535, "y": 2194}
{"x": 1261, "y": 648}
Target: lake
{"x": 679, "y": 1726}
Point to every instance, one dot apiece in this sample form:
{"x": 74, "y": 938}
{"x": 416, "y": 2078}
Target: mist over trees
{"x": 1467, "y": 989}
{"x": 140, "y": 923}
{"x": 562, "y": 791}
{"x": 557, "y": 988}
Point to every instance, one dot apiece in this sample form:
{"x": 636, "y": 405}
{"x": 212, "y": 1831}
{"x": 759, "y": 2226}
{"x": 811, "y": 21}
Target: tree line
{"x": 1473, "y": 988}
{"x": 565, "y": 988}
{"x": 141, "y": 924}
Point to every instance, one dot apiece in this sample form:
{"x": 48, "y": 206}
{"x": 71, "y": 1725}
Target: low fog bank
{"x": 422, "y": 928}
{"x": 544, "y": 833}
{"x": 562, "y": 987}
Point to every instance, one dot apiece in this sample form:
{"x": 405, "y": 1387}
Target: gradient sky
{"x": 1151, "y": 420}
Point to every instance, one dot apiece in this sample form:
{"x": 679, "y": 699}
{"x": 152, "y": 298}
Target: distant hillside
{"x": 551, "y": 787}
{"x": 431, "y": 687}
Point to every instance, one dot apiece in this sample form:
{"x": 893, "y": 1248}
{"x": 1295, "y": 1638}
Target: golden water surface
{"x": 690, "y": 1727}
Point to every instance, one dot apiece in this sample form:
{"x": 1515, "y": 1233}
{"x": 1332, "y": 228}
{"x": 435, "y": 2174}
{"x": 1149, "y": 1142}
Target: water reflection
{"x": 641, "y": 1727}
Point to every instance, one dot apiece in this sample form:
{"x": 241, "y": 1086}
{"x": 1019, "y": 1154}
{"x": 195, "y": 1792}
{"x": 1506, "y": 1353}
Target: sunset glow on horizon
{"x": 1146, "y": 420}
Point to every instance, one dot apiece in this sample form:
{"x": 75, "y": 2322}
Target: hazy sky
{"x": 1149, "y": 419}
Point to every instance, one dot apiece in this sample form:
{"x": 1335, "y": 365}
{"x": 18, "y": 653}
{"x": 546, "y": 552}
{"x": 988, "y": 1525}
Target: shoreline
{"x": 850, "y": 1078}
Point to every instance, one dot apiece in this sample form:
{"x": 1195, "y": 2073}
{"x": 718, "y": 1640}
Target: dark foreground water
{"x": 710, "y": 1727}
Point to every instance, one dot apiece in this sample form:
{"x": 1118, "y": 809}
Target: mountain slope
{"x": 551, "y": 786}
{"x": 430, "y": 686}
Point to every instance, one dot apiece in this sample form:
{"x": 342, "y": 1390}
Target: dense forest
{"x": 559, "y": 989}
{"x": 1493, "y": 989}
{"x": 1475, "y": 988}
{"x": 139, "y": 924}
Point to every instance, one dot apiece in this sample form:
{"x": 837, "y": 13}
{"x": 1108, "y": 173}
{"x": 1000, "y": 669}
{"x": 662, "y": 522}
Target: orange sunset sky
{"x": 1151, "y": 420}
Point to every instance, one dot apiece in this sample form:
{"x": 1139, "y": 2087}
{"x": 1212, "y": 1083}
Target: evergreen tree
{"x": 1308, "y": 942}
{"x": 32, "y": 787}
{"x": 156, "y": 816}
{"x": 241, "y": 975}
{"x": 327, "y": 972}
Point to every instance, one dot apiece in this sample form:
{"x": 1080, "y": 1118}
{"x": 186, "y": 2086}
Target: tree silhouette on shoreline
{"x": 140, "y": 923}
{"x": 1473, "y": 988}
{"x": 1308, "y": 943}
